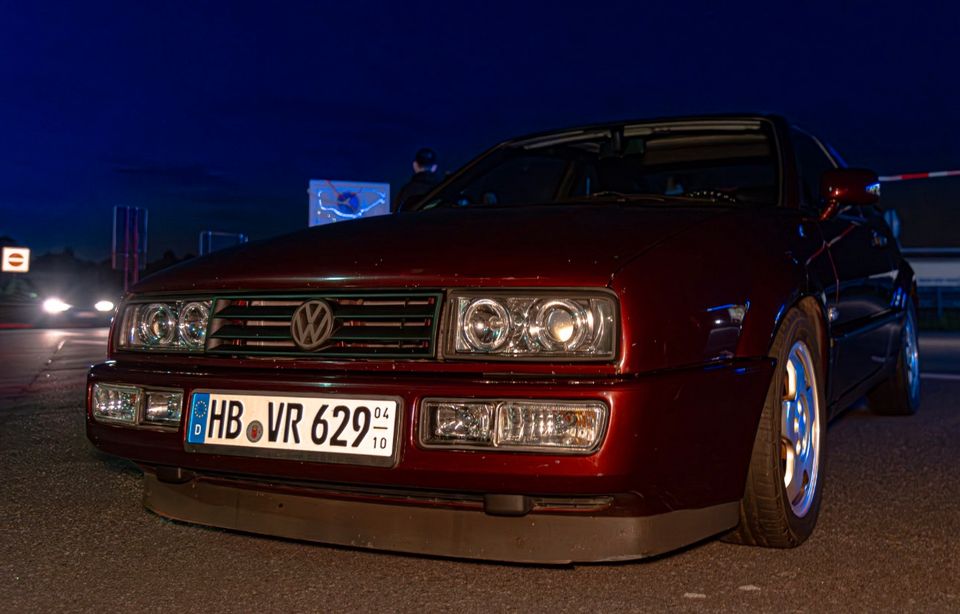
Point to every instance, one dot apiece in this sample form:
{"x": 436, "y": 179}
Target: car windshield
{"x": 719, "y": 162}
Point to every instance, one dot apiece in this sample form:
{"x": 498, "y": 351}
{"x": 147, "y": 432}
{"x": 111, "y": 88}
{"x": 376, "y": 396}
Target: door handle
{"x": 878, "y": 239}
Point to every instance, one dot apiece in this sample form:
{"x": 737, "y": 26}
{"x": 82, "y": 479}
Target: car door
{"x": 861, "y": 249}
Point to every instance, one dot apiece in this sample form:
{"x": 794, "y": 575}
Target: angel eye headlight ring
{"x": 561, "y": 324}
{"x": 158, "y": 325}
{"x": 486, "y": 324}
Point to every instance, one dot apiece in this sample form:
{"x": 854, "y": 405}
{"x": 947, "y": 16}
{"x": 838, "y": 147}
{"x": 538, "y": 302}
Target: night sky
{"x": 216, "y": 115}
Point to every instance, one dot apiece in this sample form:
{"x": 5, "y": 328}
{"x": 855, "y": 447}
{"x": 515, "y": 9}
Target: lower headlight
{"x": 163, "y": 407}
{"x": 517, "y": 425}
{"x": 114, "y": 403}
{"x": 134, "y": 405}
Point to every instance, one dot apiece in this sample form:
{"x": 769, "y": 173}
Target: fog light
{"x": 113, "y": 403}
{"x": 555, "y": 426}
{"x": 162, "y": 407}
{"x": 466, "y": 422}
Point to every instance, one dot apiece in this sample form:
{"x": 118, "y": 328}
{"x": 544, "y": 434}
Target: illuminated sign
{"x": 335, "y": 201}
{"x": 16, "y": 260}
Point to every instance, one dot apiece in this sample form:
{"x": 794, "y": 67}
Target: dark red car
{"x": 592, "y": 344}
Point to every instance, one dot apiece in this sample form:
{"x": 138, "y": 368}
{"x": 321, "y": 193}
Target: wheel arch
{"x": 814, "y": 308}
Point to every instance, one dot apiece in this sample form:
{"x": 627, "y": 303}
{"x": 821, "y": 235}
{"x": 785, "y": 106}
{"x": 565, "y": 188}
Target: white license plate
{"x": 319, "y": 428}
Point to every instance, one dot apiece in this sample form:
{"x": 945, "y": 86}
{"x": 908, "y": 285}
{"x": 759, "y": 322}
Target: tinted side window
{"x": 811, "y": 163}
{"x": 523, "y": 179}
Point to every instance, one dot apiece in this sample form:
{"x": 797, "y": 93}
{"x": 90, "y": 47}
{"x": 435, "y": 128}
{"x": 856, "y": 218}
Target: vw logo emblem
{"x": 312, "y": 324}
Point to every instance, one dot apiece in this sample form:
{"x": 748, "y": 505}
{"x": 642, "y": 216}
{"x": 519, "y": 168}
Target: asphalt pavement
{"x": 76, "y": 538}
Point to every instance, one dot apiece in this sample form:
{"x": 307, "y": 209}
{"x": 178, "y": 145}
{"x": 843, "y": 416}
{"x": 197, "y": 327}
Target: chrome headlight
{"x": 528, "y": 325}
{"x": 157, "y": 325}
{"x": 192, "y": 324}
{"x": 167, "y": 325}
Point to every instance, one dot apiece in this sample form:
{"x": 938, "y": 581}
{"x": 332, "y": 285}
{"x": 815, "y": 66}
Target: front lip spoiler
{"x": 460, "y": 533}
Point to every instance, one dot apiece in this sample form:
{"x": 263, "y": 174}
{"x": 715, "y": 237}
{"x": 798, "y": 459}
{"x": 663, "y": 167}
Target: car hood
{"x": 568, "y": 245}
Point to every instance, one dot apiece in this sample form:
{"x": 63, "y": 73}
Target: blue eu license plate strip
{"x": 199, "y": 408}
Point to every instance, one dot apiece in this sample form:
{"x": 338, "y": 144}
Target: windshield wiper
{"x": 617, "y": 196}
{"x": 705, "y": 196}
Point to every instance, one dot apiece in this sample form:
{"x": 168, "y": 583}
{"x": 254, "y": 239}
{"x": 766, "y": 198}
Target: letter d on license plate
{"x": 311, "y": 428}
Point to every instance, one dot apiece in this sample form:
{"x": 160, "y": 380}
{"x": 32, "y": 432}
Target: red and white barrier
{"x": 908, "y": 176}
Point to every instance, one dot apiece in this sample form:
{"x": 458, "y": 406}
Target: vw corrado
{"x": 592, "y": 344}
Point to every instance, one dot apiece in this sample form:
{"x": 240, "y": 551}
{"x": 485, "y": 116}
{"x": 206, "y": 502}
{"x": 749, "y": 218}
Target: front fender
{"x": 718, "y": 291}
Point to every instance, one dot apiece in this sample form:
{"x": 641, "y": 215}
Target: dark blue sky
{"x": 215, "y": 115}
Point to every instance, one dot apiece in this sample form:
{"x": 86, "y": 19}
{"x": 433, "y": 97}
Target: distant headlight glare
{"x": 55, "y": 305}
{"x": 104, "y": 306}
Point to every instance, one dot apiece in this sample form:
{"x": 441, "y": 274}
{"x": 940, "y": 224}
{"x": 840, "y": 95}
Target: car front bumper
{"x": 670, "y": 471}
{"x": 462, "y": 533}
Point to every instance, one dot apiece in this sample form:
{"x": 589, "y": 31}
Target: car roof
{"x": 677, "y": 119}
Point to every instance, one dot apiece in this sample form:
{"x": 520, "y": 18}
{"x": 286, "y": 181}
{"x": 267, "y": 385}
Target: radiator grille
{"x": 366, "y": 325}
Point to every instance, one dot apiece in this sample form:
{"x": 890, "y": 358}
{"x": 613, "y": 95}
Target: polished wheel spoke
{"x": 911, "y": 355}
{"x": 800, "y": 429}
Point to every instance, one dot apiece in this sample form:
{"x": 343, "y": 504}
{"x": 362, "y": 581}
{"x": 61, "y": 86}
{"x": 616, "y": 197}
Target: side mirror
{"x": 848, "y": 186}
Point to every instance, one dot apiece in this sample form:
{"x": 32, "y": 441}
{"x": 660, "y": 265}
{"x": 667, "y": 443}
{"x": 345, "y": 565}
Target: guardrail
{"x": 931, "y": 251}
{"x": 938, "y": 277}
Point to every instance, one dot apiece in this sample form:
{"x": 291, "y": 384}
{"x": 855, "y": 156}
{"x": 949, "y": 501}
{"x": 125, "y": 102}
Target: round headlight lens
{"x": 562, "y": 325}
{"x": 158, "y": 324}
{"x": 193, "y": 324}
{"x": 486, "y": 325}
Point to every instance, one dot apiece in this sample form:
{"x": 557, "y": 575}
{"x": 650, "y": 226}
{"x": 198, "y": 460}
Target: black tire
{"x": 896, "y": 396}
{"x": 767, "y": 517}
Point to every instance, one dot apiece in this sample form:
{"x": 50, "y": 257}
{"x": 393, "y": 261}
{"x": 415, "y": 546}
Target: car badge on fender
{"x": 312, "y": 324}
